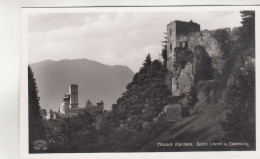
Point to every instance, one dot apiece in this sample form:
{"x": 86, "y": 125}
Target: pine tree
{"x": 164, "y": 54}
{"x": 164, "y": 50}
{"x": 248, "y": 28}
{"x": 240, "y": 99}
{"x": 240, "y": 92}
{"x": 146, "y": 93}
{"x": 51, "y": 114}
{"x": 148, "y": 61}
{"x": 36, "y": 127}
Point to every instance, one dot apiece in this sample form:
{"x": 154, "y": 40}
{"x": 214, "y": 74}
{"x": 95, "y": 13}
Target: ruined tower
{"x": 182, "y": 78}
{"x": 193, "y": 55}
{"x": 73, "y": 91}
{"x": 174, "y": 30}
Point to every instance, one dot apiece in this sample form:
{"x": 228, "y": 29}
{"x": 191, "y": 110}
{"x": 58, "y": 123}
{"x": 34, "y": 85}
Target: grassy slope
{"x": 203, "y": 126}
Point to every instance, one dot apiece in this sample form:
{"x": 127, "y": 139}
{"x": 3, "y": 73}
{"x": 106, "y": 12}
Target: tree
{"x": 57, "y": 115}
{"x": 79, "y": 134}
{"x": 239, "y": 96}
{"x": 89, "y": 103}
{"x": 248, "y": 28}
{"x": 240, "y": 99}
{"x": 146, "y": 94}
{"x": 51, "y": 114}
{"x": 164, "y": 50}
{"x": 164, "y": 54}
{"x": 101, "y": 103}
{"x": 36, "y": 127}
{"x": 148, "y": 60}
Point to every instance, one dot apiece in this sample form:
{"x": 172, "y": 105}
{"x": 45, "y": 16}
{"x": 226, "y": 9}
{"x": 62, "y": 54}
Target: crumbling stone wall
{"x": 186, "y": 79}
{"x": 208, "y": 41}
{"x": 182, "y": 40}
{"x": 183, "y": 82}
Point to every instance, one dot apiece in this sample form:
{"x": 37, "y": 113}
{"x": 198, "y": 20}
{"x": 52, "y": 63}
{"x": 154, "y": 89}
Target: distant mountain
{"x": 95, "y": 81}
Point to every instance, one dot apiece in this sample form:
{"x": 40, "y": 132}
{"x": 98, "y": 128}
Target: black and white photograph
{"x": 130, "y": 80}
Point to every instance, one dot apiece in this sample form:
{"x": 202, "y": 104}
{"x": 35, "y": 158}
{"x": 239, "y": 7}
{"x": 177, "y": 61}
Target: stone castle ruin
{"x": 70, "y": 105}
{"x": 70, "y": 100}
{"x": 192, "y": 55}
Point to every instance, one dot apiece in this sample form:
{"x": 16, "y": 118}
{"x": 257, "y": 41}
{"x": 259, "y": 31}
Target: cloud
{"x": 110, "y": 38}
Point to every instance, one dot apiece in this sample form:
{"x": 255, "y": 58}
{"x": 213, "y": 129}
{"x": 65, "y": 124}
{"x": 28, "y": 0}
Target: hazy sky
{"x": 111, "y": 38}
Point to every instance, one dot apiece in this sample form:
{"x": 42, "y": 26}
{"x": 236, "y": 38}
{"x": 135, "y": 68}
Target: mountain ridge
{"x": 96, "y": 81}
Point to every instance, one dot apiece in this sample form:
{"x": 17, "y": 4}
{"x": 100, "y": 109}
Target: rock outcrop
{"x": 170, "y": 113}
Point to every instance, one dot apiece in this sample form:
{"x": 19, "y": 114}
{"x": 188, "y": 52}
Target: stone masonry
{"x": 182, "y": 39}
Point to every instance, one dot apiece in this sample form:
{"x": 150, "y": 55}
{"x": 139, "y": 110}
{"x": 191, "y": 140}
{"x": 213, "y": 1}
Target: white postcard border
{"x": 151, "y": 155}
